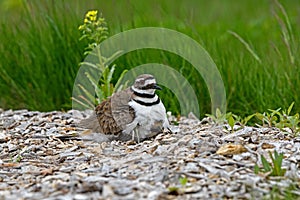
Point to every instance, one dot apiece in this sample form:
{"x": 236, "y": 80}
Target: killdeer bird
{"x": 135, "y": 113}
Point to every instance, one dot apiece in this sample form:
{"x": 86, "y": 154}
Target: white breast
{"x": 149, "y": 120}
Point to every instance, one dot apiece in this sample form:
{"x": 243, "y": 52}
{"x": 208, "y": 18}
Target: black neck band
{"x": 147, "y": 104}
{"x": 142, "y": 94}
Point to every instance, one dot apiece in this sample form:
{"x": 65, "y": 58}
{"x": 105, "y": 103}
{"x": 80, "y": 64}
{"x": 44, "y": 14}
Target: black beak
{"x": 156, "y": 87}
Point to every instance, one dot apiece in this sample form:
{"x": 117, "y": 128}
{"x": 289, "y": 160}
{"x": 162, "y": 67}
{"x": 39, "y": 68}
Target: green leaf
{"x": 277, "y": 164}
{"x": 256, "y": 169}
{"x": 231, "y": 122}
{"x": 211, "y": 116}
{"x": 246, "y": 119}
{"x": 218, "y": 113}
{"x": 18, "y": 158}
{"x": 273, "y": 112}
{"x": 112, "y": 57}
{"x": 98, "y": 92}
{"x": 290, "y": 108}
{"x": 88, "y": 95}
{"x": 90, "y": 64}
{"x": 265, "y": 164}
{"x": 107, "y": 78}
{"x": 259, "y": 116}
{"x": 118, "y": 84}
{"x": 273, "y": 119}
{"x": 183, "y": 181}
{"x": 80, "y": 102}
{"x": 110, "y": 74}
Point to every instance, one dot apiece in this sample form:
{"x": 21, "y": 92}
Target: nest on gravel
{"x": 42, "y": 157}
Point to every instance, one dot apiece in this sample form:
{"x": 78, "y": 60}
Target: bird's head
{"x": 145, "y": 84}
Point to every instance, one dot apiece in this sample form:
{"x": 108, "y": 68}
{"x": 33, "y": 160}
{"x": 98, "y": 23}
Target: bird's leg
{"x": 131, "y": 128}
{"x": 135, "y": 132}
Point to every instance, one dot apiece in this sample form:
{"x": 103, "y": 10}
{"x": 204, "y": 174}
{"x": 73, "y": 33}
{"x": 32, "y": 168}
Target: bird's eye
{"x": 150, "y": 86}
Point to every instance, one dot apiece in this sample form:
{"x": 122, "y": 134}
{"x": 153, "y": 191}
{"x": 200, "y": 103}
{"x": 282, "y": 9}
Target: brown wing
{"x": 114, "y": 113}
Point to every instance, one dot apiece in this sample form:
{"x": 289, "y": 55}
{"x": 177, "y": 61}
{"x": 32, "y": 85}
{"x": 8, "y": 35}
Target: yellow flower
{"x": 91, "y": 13}
{"x": 93, "y": 18}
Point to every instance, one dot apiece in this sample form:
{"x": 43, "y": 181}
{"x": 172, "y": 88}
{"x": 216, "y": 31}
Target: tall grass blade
{"x": 286, "y": 30}
{"x": 251, "y": 51}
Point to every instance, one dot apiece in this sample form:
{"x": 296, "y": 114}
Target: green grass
{"x": 282, "y": 193}
{"x": 253, "y": 44}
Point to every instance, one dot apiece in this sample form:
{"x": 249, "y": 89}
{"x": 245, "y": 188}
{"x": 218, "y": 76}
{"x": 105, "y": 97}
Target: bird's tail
{"x": 93, "y": 132}
{"x": 90, "y": 123}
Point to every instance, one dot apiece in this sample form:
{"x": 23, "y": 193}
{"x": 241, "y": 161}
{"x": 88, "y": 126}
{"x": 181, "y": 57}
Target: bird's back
{"x": 114, "y": 113}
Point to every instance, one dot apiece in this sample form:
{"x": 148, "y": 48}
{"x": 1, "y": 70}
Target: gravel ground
{"x": 42, "y": 157}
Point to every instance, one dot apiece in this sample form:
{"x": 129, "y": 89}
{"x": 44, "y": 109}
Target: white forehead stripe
{"x": 150, "y": 81}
